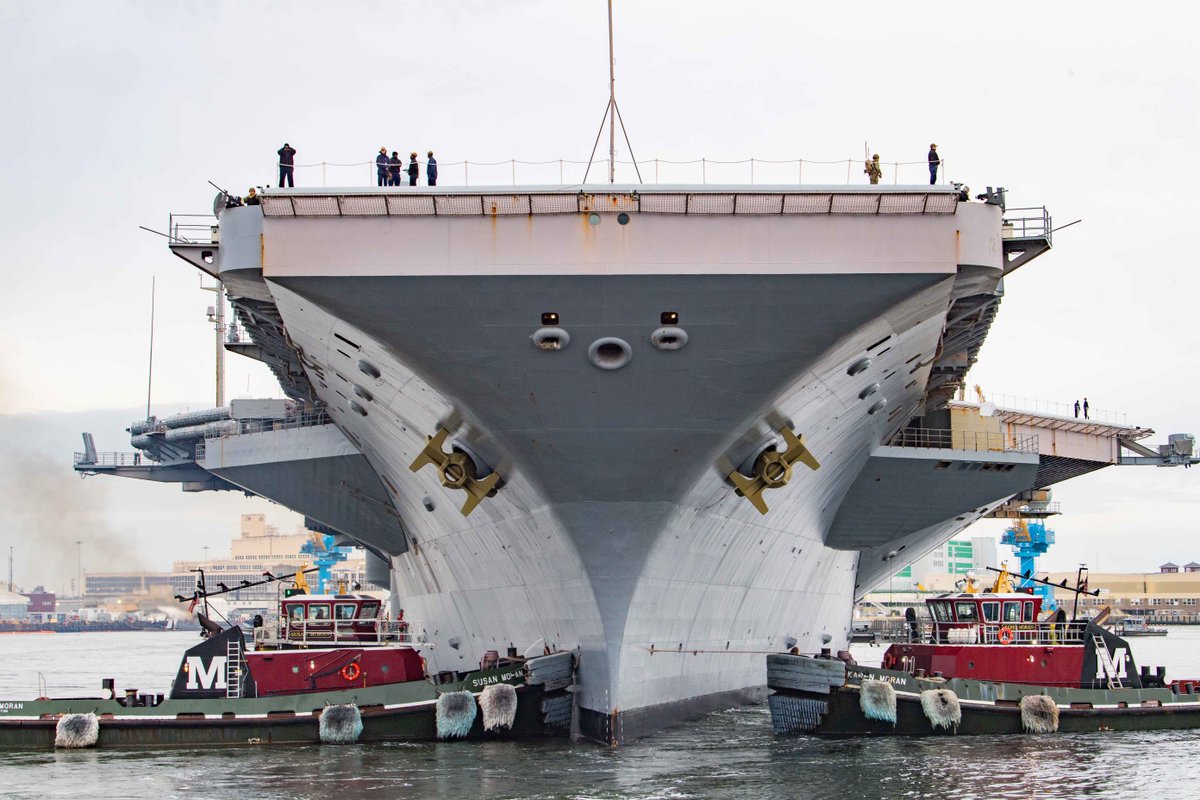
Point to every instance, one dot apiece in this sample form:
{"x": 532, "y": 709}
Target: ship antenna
{"x": 150, "y": 366}
{"x": 612, "y": 114}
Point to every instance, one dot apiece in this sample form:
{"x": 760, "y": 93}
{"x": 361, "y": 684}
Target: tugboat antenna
{"x": 1079, "y": 588}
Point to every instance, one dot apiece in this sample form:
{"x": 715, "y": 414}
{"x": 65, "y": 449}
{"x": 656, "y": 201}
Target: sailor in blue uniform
{"x": 287, "y": 161}
{"x": 381, "y": 167}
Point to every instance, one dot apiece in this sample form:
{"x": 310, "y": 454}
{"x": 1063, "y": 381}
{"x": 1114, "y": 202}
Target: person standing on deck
{"x": 934, "y": 162}
{"x": 1085, "y": 408}
{"x": 431, "y": 169}
{"x": 873, "y": 170}
{"x": 287, "y": 162}
{"x": 394, "y": 169}
{"x": 1076, "y": 409}
{"x": 414, "y": 169}
{"x": 381, "y": 167}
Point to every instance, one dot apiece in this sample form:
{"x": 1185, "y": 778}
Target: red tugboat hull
{"x": 1042, "y": 665}
{"x": 296, "y": 671}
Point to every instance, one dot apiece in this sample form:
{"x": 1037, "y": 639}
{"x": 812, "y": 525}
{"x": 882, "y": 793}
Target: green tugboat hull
{"x": 825, "y": 699}
{"x": 395, "y": 712}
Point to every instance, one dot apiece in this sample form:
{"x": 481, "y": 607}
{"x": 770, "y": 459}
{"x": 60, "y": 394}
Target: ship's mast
{"x": 216, "y": 315}
{"x": 220, "y": 332}
{"x": 612, "y": 103}
{"x": 612, "y": 114}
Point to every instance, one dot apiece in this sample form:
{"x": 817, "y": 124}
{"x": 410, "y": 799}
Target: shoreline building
{"x": 259, "y": 548}
{"x": 956, "y": 558}
{"x": 1169, "y": 596}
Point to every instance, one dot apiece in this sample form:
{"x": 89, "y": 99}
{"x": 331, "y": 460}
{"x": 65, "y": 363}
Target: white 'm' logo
{"x": 201, "y": 678}
{"x": 1118, "y": 658}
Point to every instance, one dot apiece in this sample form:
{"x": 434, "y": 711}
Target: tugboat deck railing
{"x": 1018, "y": 633}
{"x": 340, "y": 633}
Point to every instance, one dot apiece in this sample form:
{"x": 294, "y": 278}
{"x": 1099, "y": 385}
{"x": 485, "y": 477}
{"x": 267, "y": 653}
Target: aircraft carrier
{"x": 670, "y": 427}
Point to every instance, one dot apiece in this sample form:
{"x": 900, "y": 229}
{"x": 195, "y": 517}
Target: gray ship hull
{"x": 616, "y": 529}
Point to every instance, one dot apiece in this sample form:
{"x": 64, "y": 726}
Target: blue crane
{"x": 324, "y": 555}
{"x": 1030, "y": 539}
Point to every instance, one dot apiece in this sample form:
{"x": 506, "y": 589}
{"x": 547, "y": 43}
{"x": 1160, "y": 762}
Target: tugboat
{"x": 984, "y": 662}
{"x": 1136, "y": 626}
{"x": 331, "y": 670}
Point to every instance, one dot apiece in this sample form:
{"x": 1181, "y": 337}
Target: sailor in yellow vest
{"x": 873, "y": 170}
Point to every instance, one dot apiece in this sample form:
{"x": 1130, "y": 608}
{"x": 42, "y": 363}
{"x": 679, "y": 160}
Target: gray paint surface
{"x": 316, "y": 472}
{"x": 905, "y": 489}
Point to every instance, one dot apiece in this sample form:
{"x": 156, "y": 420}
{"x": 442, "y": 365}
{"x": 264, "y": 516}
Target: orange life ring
{"x": 1005, "y": 635}
{"x": 351, "y": 671}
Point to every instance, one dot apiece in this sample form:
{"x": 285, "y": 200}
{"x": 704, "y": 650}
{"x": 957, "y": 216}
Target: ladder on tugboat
{"x": 1106, "y": 663}
{"x": 234, "y": 664}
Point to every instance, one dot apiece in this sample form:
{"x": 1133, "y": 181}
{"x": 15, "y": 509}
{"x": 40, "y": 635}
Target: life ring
{"x": 351, "y": 671}
{"x": 1005, "y": 636}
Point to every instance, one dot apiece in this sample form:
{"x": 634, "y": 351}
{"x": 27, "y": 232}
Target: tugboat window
{"x": 319, "y": 611}
{"x": 344, "y": 610}
{"x": 1012, "y": 612}
{"x": 966, "y": 612}
{"x": 1029, "y": 611}
{"x": 991, "y": 612}
{"x": 295, "y": 612}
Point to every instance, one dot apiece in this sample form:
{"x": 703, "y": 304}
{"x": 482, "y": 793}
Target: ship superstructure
{"x": 670, "y": 427}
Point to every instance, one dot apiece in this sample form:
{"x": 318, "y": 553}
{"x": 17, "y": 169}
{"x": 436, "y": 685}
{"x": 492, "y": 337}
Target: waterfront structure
{"x": 13, "y": 606}
{"x": 956, "y": 557}
{"x": 258, "y": 548}
{"x": 1162, "y": 597}
{"x": 104, "y": 585}
{"x": 671, "y": 427}
{"x": 42, "y": 604}
{"x": 261, "y": 548}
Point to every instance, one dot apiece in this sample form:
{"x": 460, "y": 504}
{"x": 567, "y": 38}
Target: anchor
{"x": 773, "y": 469}
{"x": 456, "y": 470}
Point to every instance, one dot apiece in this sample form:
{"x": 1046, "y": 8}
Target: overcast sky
{"x": 117, "y": 114}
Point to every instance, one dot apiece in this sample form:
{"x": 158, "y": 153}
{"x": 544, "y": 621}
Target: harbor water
{"x": 732, "y": 754}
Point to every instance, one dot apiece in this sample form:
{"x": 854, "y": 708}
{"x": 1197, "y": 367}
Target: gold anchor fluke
{"x": 773, "y": 469}
{"x": 455, "y": 470}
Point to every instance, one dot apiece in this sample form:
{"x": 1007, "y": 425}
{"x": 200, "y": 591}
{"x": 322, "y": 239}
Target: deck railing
{"x": 1026, "y": 633}
{"x": 704, "y": 170}
{"x": 1027, "y": 223}
{"x": 1055, "y": 408}
{"x": 319, "y": 633}
{"x": 246, "y": 426}
{"x": 979, "y": 441}
{"x": 192, "y": 229}
{"x": 110, "y": 459}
